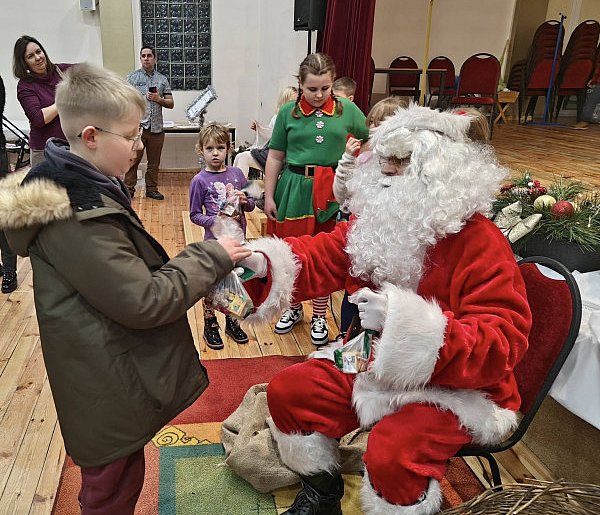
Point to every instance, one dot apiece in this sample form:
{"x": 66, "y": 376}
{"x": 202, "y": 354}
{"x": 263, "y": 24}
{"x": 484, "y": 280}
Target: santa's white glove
{"x": 253, "y": 266}
{"x": 372, "y": 308}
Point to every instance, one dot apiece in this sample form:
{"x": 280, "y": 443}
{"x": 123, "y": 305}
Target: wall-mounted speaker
{"x": 87, "y": 5}
{"x": 309, "y": 14}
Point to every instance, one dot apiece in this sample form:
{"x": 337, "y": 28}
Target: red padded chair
{"x": 433, "y": 80}
{"x": 404, "y": 85}
{"x": 478, "y": 84}
{"x": 556, "y": 315}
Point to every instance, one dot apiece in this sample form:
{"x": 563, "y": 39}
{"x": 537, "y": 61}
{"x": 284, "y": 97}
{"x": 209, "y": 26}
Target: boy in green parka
{"x": 111, "y": 305}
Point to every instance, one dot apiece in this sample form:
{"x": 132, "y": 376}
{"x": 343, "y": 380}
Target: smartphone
{"x": 152, "y": 89}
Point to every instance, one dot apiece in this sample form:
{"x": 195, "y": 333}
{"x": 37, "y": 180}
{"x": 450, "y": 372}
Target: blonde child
{"x": 479, "y": 130}
{"x": 210, "y": 189}
{"x": 257, "y": 156}
{"x": 344, "y": 87}
{"x": 112, "y": 315}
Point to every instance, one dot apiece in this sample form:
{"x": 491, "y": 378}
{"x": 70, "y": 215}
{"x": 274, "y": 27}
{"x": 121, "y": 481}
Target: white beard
{"x": 399, "y": 218}
{"x": 386, "y": 242}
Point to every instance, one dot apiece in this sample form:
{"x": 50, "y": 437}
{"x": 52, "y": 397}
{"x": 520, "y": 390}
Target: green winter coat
{"x": 111, "y": 308}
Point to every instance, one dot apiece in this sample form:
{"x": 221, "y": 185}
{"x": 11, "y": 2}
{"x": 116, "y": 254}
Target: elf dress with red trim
{"x": 306, "y": 204}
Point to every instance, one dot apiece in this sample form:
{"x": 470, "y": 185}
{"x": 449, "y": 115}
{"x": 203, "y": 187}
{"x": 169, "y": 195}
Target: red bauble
{"x": 562, "y": 209}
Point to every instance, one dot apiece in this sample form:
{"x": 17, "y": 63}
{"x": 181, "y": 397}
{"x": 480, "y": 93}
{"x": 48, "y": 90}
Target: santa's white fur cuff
{"x": 412, "y": 336}
{"x": 373, "y": 504}
{"x": 284, "y": 269}
{"x": 307, "y": 454}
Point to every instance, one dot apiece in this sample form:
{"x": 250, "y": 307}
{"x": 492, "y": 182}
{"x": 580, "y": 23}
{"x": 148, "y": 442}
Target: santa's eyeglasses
{"x": 394, "y": 161}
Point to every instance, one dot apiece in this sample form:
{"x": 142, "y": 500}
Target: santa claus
{"x": 439, "y": 282}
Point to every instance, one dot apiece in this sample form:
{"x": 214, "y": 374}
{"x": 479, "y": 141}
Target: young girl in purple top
{"x": 209, "y": 190}
{"x": 38, "y": 77}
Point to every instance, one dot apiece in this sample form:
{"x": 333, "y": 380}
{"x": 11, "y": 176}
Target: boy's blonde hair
{"x": 287, "y": 94}
{"x": 345, "y": 85}
{"x": 215, "y": 131}
{"x": 92, "y": 95}
{"x": 479, "y": 130}
{"x": 384, "y": 108}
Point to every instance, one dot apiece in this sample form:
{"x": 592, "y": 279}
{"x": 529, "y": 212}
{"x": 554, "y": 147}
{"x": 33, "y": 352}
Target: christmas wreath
{"x": 560, "y": 211}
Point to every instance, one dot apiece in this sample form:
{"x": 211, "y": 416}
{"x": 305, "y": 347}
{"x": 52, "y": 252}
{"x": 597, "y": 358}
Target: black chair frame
{"x": 21, "y": 144}
{"x": 487, "y": 452}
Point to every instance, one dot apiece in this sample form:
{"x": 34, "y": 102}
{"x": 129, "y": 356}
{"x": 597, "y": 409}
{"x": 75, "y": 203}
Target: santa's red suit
{"x": 442, "y": 373}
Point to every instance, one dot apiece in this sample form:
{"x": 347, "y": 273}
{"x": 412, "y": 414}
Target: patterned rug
{"x": 185, "y": 473}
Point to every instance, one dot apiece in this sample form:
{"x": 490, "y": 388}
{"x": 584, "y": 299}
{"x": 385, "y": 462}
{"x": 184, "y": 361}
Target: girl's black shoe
{"x": 233, "y": 329}
{"x": 211, "y": 334}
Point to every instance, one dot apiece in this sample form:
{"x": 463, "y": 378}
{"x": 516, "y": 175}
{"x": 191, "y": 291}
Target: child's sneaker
{"x": 233, "y": 329}
{"x": 319, "y": 332}
{"x": 211, "y": 334}
{"x": 288, "y": 320}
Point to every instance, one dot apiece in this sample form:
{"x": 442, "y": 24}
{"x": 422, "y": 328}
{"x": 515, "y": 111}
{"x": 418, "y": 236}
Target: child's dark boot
{"x": 233, "y": 329}
{"x": 211, "y": 334}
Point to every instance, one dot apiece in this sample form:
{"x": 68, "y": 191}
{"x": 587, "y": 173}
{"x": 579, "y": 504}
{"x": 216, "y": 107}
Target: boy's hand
{"x": 234, "y": 249}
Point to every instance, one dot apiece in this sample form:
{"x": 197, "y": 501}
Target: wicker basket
{"x": 534, "y": 498}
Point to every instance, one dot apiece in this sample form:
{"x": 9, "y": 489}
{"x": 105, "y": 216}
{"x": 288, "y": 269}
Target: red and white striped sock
{"x": 320, "y": 306}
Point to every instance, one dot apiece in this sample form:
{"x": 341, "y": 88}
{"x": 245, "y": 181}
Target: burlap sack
{"x": 251, "y": 452}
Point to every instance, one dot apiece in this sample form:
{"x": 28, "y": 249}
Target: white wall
{"x": 67, "y": 33}
{"x": 255, "y": 52}
{"x": 459, "y": 28}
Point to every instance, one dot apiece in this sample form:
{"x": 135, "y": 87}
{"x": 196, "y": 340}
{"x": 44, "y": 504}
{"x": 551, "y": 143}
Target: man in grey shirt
{"x": 157, "y": 91}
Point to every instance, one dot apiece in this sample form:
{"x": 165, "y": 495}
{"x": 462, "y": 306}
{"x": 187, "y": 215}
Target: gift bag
{"x": 354, "y": 356}
{"x": 230, "y": 297}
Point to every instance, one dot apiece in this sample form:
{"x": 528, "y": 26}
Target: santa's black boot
{"x": 320, "y": 495}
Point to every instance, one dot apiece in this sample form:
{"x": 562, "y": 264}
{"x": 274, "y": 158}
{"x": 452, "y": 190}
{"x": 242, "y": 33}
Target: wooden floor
{"x": 31, "y": 451}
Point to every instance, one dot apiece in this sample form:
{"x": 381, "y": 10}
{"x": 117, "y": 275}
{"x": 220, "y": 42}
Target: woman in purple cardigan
{"x": 38, "y": 78}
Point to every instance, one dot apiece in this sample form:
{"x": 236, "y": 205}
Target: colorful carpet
{"x": 185, "y": 473}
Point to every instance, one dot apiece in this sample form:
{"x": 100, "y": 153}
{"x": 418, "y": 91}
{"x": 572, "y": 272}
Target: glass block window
{"x": 179, "y": 30}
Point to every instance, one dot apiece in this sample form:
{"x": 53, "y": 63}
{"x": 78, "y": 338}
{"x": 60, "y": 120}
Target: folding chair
{"x": 20, "y": 146}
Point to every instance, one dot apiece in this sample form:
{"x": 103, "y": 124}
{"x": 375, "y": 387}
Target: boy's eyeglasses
{"x": 135, "y": 140}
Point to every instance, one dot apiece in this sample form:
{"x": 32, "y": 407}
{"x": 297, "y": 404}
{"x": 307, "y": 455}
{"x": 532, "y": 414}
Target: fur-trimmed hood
{"x": 63, "y": 186}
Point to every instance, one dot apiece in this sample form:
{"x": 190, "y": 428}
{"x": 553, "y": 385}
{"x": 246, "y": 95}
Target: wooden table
{"x": 417, "y": 74}
{"x": 504, "y": 101}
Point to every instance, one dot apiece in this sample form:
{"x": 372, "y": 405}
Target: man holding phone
{"x": 157, "y": 91}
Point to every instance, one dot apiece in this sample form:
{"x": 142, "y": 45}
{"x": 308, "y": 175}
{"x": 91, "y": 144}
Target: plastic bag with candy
{"x": 230, "y": 297}
{"x": 354, "y": 356}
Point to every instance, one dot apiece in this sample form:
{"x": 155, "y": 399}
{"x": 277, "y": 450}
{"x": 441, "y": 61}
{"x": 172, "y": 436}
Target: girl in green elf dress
{"x": 308, "y": 139}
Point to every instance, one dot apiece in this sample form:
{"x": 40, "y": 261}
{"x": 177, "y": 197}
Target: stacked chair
{"x": 531, "y": 77}
{"x": 577, "y": 65}
{"x": 478, "y": 84}
{"x": 404, "y": 85}
{"x": 441, "y": 62}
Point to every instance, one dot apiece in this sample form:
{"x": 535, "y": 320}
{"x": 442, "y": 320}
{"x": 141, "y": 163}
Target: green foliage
{"x": 583, "y": 227}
